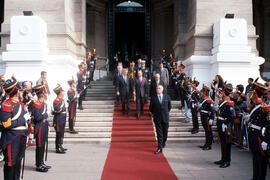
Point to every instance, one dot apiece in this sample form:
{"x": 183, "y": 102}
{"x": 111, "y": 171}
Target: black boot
{"x": 17, "y": 171}
{"x": 41, "y": 168}
{"x": 42, "y": 158}
{"x": 8, "y": 172}
{"x": 59, "y": 150}
{"x": 61, "y": 143}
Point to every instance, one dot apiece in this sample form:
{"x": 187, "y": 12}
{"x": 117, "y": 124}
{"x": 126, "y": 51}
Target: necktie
{"x": 159, "y": 97}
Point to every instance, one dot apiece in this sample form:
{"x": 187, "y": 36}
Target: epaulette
{"x": 258, "y": 101}
{"x": 37, "y": 105}
{"x": 7, "y": 106}
{"x": 196, "y": 91}
{"x": 183, "y": 73}
{"x": 209, "y": 100}
{"x": 57, "y": 101}
{"x": 177, "y": 70}
{"x": 79, "y": 73}
{"x": 70, "y": 91}
{"x": 230, "y": 103}
{"x": 265, "y": 108}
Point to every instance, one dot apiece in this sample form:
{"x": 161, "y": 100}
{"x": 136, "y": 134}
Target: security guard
{"x": 207, "y": 116}
{"x": 13, "y": 117}
{"x": 40, "y": 116}
{"x": 226, "y": 115}
{"x": 258, "y": 130}
{"x": 59, "y": 119}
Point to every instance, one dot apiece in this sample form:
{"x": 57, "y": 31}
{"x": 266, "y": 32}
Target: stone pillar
{"x": 27, "y": 54}
{"x": 231, "y": 56}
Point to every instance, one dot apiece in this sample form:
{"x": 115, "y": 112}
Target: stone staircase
{"x": 94, "y": 123}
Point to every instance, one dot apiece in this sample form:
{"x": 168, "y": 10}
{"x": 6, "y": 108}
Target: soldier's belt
{"x": 19, "y": 128}
{"x": 221, "y": 118}
{"x": 253, "y": 126}
{"x": 203, "y": 111}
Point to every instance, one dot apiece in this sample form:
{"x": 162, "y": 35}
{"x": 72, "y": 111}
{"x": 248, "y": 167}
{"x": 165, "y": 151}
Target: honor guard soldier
{"x": 40, "y": 116}
{"x": 258, "y": 130}
{"x": 72, "y": 106}
{"x": 59, "y": 119}
{"x": 195, "y": 100}
{"x": 207, "y": 116}
{"x": 226, "y": 116}
{"x": 81, "y": 85}
{"x": 88, "y": 64}
{"x": 13, "y": 117}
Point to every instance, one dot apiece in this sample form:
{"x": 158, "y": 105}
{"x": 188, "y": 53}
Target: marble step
{"x": 99, "y": 98}
{"x": 93, "y": 102}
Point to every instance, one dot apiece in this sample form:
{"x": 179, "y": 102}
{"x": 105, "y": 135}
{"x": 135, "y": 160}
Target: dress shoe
{"x": 158, "y": 151}
{"x": 60, "y": 151}
{"x": 46, "y": 166}
{"x": 225, "y": 165}
{"x": 195, "y": 131}
{"x": 206, "y": 148}
{"x": 219, "y": 162}
{"x": 80, "y": 108}
{"x": 164, "y": 145}
{"x": 202, "y": 146}
{"x": 73, "y": 132}
{"x": 64, "y": 149}
{"x": 41, "y": 168}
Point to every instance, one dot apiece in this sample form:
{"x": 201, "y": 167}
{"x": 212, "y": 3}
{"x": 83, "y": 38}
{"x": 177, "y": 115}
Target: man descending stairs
{"x": 94, "y": 123}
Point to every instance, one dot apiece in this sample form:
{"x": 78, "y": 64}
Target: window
{"x": 129, "y": 4}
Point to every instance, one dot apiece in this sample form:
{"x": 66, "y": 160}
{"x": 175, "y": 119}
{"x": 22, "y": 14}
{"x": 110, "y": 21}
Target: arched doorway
{"x": 128, "y": 29}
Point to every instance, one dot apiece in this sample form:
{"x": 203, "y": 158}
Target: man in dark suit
{"x": 154, "y": 84}
{"x": 160, "y": 107}
{"x": 123, "y": 89}
{"x": 140, "y": 91}
{"x": 164, "y": 75}
{"x": 116, "y": 76}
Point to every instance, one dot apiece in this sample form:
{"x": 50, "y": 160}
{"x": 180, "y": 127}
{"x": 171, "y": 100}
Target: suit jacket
{"x": 115, "y": 77}
{"x": 153, "y": 87}
{"x": 123, "y": 87}
{"x": 159, "y": 110}
{"x": 141, "y": 89}
{"x": 164, "y": 76}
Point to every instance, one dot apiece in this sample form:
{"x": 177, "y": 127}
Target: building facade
{"x": 183, "y": 27}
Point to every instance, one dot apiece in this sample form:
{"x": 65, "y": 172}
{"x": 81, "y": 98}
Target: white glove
{"x": 224, "y": 127}
{"x": 27, "y": 116}
{"x": 199, "y": 106}
{"x": 246, "y": 118}
{"x": 264, "y": 146}
{"x": 216, "y": 107}
{"x": 211, "y": 122}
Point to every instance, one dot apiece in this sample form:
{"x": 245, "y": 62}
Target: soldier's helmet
{"x": 39, "y": 89}
{"x": 12, "y": 87}
{"x": 228, "y": 89}
{"x": 258, "y": 88}
{"x": 206, "y": 90}
{"x": 70, "y": 82}
{"x": 182, "y": 65}
{"x": 58, "y": 89}
{"x": 196, "y": 83}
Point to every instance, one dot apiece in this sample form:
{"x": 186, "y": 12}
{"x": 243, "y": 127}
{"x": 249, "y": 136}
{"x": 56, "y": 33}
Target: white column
{"x": 231, "y": 56}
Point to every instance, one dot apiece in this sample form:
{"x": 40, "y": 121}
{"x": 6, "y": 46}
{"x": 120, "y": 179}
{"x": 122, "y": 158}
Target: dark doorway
{"x": 129, "y": 34}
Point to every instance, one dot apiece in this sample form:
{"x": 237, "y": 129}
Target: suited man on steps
{"x": 124, "y": 89}
{"x": 140, "y": 91}
{"x": 154, "y": 84}
{"x": 160, "y": 107}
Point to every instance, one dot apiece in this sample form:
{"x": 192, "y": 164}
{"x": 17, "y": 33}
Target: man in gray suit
{"x": 123, "y": 89}
{"x": 140, "y": 91}
{"x": 164, "y": 75}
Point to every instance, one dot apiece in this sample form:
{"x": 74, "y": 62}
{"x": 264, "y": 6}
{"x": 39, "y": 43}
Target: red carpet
{"x": 131, "y": 155}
